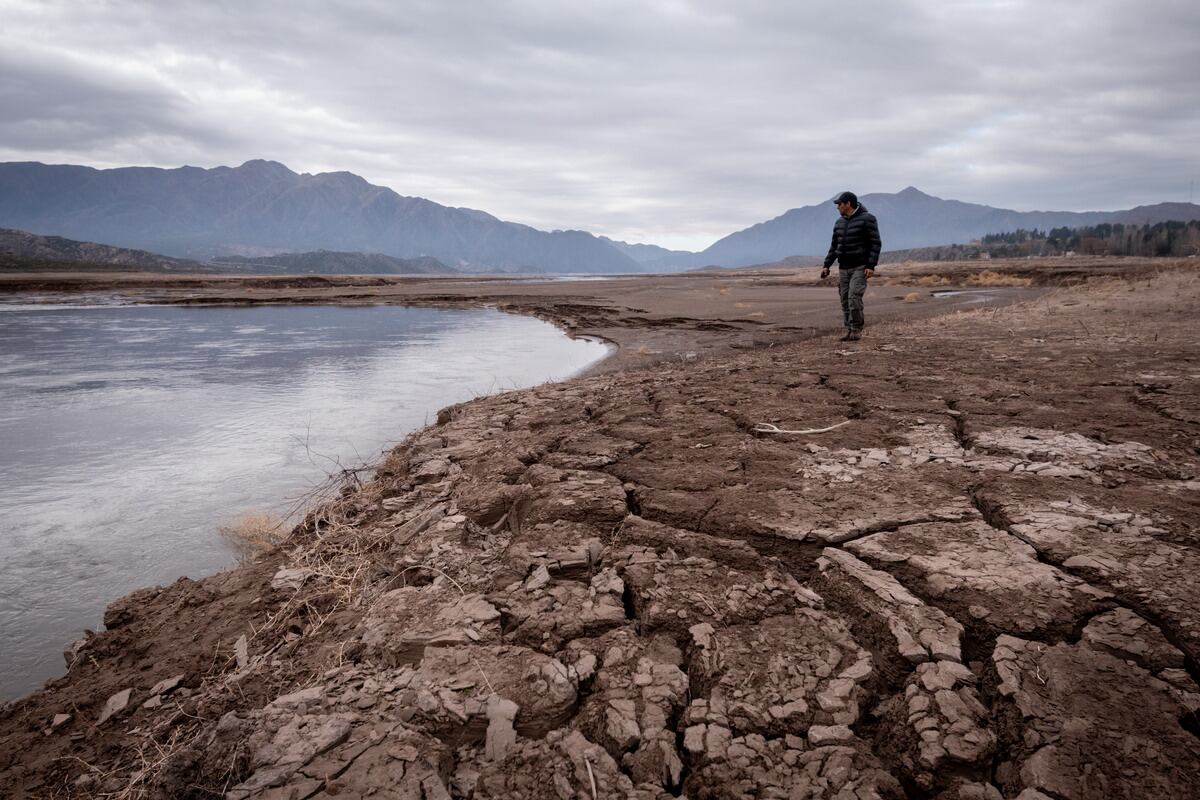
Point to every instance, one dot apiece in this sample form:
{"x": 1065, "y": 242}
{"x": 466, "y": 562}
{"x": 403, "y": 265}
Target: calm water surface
{"x": 130, "y": 434}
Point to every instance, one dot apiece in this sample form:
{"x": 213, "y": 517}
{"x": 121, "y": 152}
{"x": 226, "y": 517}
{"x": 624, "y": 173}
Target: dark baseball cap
{"x": 846, "y": 197}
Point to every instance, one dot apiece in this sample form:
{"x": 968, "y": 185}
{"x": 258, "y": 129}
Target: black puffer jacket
{"x": 855, "y": 241}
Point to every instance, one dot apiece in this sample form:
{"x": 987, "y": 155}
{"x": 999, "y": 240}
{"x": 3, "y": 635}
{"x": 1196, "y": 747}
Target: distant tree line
{"x": 1107, "y": 239}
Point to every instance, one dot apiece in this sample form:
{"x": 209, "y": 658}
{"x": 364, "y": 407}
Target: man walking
{"x": 855, "y": 247}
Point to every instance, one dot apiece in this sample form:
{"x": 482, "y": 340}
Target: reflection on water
{"x": 967, "y": 296}
{"x": 128, "y": 435}
{"x": 567, "y": 278}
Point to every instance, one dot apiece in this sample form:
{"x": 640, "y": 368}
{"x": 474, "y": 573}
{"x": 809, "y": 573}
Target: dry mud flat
{"x": 985, "y": 585}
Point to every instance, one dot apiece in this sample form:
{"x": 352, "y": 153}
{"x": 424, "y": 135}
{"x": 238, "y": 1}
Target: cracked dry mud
{"x": 987, "y": 585}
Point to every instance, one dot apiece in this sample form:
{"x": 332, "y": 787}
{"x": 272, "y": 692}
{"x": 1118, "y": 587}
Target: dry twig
{"x": 591, "y": 778}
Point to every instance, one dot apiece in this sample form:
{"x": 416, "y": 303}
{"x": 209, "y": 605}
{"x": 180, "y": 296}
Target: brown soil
{"x": 984, "y": 585}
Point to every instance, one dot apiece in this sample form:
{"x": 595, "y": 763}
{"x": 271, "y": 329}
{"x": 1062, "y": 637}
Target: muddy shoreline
{"x": 649, "y": 319}
{"x": 983, "y": 585}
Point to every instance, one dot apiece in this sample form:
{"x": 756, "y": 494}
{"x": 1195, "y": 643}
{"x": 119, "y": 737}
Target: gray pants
{"x": 852, "y": 283}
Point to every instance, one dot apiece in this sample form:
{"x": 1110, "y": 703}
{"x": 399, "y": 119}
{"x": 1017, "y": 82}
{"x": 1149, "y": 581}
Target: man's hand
{"x": 824, "y": 273}
{"x": 868, "y": 273}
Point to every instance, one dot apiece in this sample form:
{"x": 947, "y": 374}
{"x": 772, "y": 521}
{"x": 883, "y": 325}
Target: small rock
{"x": 418, "y": 524}
{"x": 585, "y": 667}
{"x": 241, "y": 650}
{"x": 430, "y": 470}
{"x": 404, "y": 752}
{"x": 859, "y": 671}
{"x": 115, "y": 705}
{"x": 290, "y": 578}
{"x": 693, "y": 738}
{"x": 312, "y": 694}
{"x": 500, "y": 734}
{"x": 166, "y": 685}
{"x": 539, "y": 578}
{"x": 821, "y": 735}
{"x": 476, "y": 609}
{"x": 979, "y": 791}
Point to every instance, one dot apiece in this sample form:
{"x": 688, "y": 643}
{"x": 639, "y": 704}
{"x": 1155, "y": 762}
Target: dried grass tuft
{"x": 912, "y": 297}
{"x": 254, "y": 533}
{"x": 992, "y": 278}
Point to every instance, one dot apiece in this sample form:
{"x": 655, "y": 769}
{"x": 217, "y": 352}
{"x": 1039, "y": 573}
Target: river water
{"x": 130, "y": 434}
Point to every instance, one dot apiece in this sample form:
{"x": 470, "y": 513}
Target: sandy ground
{"x": 980, "y": 579}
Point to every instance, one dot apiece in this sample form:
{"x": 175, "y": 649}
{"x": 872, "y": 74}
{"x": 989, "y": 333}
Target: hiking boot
{"x": 853, "y": 336}
{"x": 849, "y": 337}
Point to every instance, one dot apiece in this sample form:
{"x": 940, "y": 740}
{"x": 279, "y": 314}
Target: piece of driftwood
{"x": 766, "y": 427}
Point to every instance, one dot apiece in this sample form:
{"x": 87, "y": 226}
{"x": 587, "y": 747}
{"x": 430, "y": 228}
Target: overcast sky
{"x": 674, "y": 123}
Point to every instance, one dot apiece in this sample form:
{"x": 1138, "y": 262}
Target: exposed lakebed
{"x": 132, "y": 433}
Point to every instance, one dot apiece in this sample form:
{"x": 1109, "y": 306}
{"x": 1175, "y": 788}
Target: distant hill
{"x": 21, "y": 249}
{"x": 263, "y": 207}
{"x": 907, "y": 220}
{"x": 330, "y": 262}
{"x": 648, "y": 253}
{"x": 1151, "y": 215}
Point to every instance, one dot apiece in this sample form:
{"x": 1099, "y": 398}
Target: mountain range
{"x": 907, "y": 219}
{"x": 262, "y": 208}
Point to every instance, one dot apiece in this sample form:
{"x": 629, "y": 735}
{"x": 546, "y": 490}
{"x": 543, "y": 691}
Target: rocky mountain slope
{"x": 18, "y": 249}
{"x": 262, "y": 207}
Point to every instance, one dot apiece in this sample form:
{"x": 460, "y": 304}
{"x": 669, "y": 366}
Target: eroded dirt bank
{"x": 986, "y": 584}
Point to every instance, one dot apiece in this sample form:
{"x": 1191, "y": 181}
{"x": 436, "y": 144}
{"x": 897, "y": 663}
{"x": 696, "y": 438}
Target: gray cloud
{"x": 670, "y": 122}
